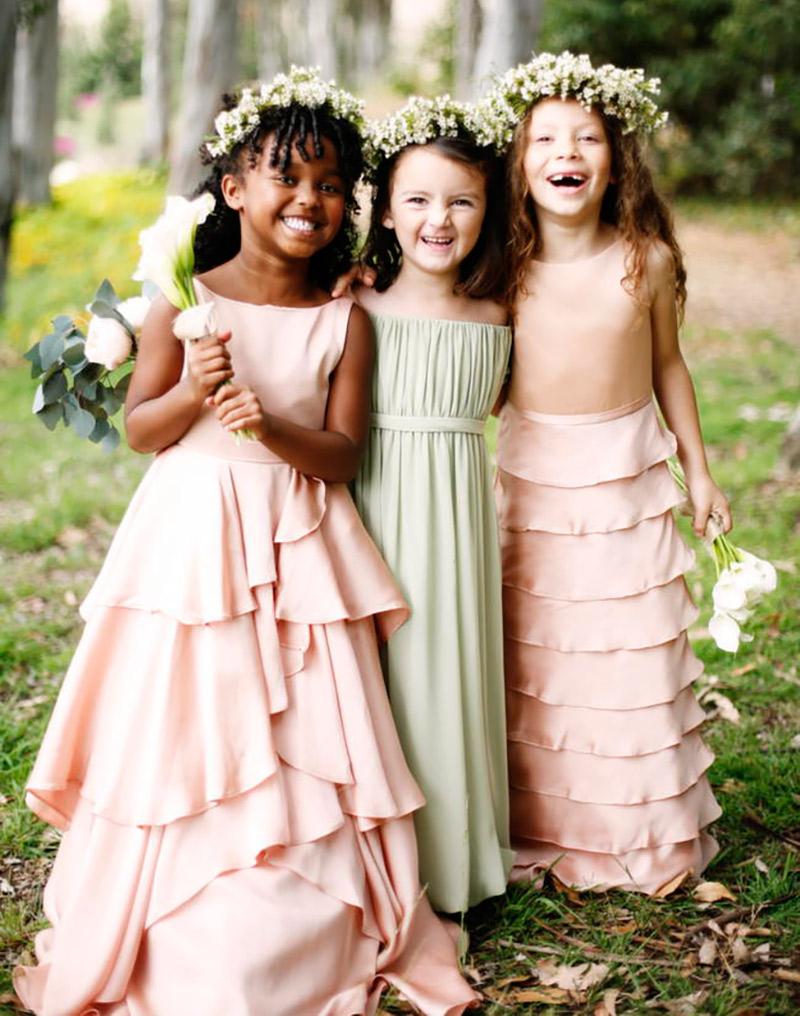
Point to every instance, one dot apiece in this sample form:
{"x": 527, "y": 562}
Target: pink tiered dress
{"x": 237, "y": 812}
{"x": 606, "y": 762}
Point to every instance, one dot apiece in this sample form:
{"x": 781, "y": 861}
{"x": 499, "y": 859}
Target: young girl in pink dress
{"x": 237, "y": 811}
{"x": 605, "y": 758}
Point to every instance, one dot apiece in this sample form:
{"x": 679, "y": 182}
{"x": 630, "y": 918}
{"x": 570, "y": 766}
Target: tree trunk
{"x": 155, "y": 82}
{"x": 373, "y": 37}
{"x": 8, "y": 42}
{"x": 509, "y": 35}
{"x": 273, "y": 52}
{"x": 297, "y": 27}
{"x": 36, "y": 80}
{"x": 209, "y": 69}
{"x": 465, "y": 43}
{"x": 322, "y": 35}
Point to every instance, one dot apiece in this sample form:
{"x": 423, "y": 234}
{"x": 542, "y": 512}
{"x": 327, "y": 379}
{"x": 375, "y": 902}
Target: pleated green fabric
{"x": 425, "y": 494}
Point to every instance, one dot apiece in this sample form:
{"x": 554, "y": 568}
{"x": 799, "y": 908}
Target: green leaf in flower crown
{"x": 50, "y": 415}
{"x": 106, "y": 293}
{"x": 50, "y": 349}
{"x": 55, "y": 387}
{"x": 101, "y": 428}
{"x": 111, "y": 440}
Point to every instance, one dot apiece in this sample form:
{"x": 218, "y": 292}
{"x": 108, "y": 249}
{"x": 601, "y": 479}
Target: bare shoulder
{"x": 368, "y": 299}
{"x": 159, "y": 319}
{"x": 359, "y": 330}
{"x": 659, "y": 263}
{"x": 488, "y": 312}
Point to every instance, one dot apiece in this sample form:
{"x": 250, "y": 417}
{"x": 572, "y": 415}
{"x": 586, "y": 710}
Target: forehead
{"x": 328, "y": 161}
{"x": 564, "y": 112}
{"x": 423, "y": 167}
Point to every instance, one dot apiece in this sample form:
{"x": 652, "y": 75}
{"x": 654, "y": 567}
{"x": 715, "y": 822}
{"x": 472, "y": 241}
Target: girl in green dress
{"x": 424, "y": 491}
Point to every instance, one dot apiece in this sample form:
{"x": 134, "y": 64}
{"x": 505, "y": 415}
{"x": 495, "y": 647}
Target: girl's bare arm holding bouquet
{"x": 674, "y": 390}
{"x": 162, "y": 405}
{"x": 333, "y": 454}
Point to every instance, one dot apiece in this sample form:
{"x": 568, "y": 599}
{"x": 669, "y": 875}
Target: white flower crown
{"x": 303, "y": 86}
{"x": 622, "y": 93}
{"x": 422, "y": 120}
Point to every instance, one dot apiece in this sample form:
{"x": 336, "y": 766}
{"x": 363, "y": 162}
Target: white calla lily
{"x": 727, "y": 634}
{"x": 196, "y": 322}
{"x": 729, "y": 592}
{"x": 167, "y": 257}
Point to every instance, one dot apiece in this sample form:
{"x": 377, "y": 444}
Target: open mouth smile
{"x": 438, "y": 242}
{"x": 569, "y": 182}
{"x": 304, "y": 227}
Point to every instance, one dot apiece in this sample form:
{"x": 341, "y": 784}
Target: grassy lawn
{"x": 60, "y": 499}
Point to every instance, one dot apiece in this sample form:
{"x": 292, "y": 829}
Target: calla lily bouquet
{"x": 742, "y": 581}
{"x": 83, "y": 378}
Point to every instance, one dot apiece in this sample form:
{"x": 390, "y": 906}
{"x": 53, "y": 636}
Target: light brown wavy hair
{"x": 632, "y": 205}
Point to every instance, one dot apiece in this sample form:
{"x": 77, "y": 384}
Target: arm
{"x": 333, "y": 454}
{"x": 161, "y": 405}
{"x": 675, "y": 393}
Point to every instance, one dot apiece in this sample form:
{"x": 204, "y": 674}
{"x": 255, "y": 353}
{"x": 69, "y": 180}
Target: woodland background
{"x": 101, "y": 117}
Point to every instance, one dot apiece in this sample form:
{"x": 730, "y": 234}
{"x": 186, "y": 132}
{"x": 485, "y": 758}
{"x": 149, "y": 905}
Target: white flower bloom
{"x": 167, "y": 257}
{"x": 725, "y": 631}
{"x": 196, "y": 322}
{"x": 107, "y": 342}
{"x": 760, "y": 575}
{"x": 730, "y": 591}
{"x": 134, "y": 311}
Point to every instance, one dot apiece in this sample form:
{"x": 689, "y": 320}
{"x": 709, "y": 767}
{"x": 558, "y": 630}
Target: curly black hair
{"x": 481, "y": 273}
{"x": 218, "y": 239}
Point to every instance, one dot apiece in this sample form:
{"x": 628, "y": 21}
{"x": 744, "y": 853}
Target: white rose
{"x": 196, "y": 322}
{"x": 726, "y": 632}
{"x": 107, "y": 342}
{"x": 134, "y": 311}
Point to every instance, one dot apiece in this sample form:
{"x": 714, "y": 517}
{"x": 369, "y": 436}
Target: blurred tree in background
{"x": 730, "y": 79}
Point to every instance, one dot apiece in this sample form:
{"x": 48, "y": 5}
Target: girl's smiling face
{"x": 436, "y": 209}
{"x": 292, "y": 212}
{"x": 567, "y": 161}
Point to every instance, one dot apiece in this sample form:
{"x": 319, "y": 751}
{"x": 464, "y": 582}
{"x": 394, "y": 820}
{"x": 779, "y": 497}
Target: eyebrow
{"x": 421, "y": 192}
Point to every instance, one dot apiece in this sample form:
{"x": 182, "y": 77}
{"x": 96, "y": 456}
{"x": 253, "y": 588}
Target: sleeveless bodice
{"x": 582, "y": 341}
{"x": 286, "y": 355}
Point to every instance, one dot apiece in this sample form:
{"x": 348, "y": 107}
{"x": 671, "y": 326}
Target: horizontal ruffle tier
{"x": 607, "y": 766}
{"x": 223, "y": 745}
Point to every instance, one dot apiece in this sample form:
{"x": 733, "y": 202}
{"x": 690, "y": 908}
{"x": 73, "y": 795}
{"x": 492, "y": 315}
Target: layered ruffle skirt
{"x": 237, "y": 810}
{"x": 606, "y": 762}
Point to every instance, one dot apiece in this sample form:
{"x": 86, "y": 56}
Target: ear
{"x": 387, "y": 221}
{"x": 232, "y": 191}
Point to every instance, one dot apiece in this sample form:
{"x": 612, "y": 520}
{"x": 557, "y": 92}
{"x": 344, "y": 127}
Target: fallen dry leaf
{"x": 792, "y": 976}
{"x": 687, "y": 1005}
{"x": 707, "y": 953}
{"x": 518, "y": 979}
{"x": 573, "y": 895}
{"x": 724, "y": 707}
{"x": 761, "y": 865}
{"x": 739, "y": 951}
{"x": 608, "y": 1007}
{"x": 572, "y": 978}
{"x": 746, "y": 669}
{"x": 710, "y": 892}
{"x": 669, "y": 887}
{"x": 540, "y": 995}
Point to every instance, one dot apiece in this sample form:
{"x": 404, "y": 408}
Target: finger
{"x": 727, "y": 520}
{"x": 226, "y": 392}
{"x": 701, "y": 520}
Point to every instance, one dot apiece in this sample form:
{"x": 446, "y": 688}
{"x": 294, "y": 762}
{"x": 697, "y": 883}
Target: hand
{"x": 359, "y": 275}
{"x": 708, "y": 501}
{"x": 238, "y": 409}
{"x": 208, "y": 364}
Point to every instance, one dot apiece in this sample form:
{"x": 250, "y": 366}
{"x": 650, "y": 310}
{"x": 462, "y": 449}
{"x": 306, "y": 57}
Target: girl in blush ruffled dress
{"x": 237, "y": 810}
{"x": 424, "y": 489}
{"x": 607, "y": 767}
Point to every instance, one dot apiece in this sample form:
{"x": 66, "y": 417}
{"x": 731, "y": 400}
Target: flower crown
{"x": 619, "y": 92}
{"x": 303, "y": 86}
{"x": 422, "y": 120}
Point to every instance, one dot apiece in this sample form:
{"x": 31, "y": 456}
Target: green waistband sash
{"x": 428, "y": 424}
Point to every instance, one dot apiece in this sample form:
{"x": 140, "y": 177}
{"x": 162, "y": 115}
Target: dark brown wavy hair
{"x": 296, "y": 127}
{"x": 632, "y": 205}
{"x": 482, "y": 272}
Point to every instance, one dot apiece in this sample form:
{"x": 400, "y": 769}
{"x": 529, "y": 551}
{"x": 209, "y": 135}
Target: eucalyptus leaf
{"x": 50, "y": 415}
{"x": 35, "y": 358}
{"x": 110, "y": 401}
{"x": 106, "y": 292}
{"x": 50, "y": 349}
{"x": 38, "y": 400}
{"x": 122, "y": 386}
{"x": 103, "y": 309}
{"x": 111, "y": 440}
{"x": 101, "y": 428}
{"x": 71, "y": 407}
{"x": 55, "y": 387}
{"x": 74, "y": 355}
{"x": 82, "y": 422}
{"x": 63, "y": 323}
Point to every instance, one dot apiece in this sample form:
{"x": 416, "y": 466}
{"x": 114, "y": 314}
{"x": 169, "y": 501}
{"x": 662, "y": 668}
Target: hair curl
{"x": 219, "y": 239}
{"x": 632, "y": 205}
{"x": 482, "y": 273}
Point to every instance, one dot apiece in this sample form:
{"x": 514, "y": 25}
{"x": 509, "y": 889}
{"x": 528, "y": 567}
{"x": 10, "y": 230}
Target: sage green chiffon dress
{"x": 425, "y": 494}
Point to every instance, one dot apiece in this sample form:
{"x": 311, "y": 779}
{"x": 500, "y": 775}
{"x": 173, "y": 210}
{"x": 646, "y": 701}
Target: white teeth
{"x": 438, "y": 241}
{"x": 301, "y": 225}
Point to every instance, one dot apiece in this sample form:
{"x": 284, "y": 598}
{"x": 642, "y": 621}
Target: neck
{"x": 571, "y": 241}
{"x": 428, "y": 289}
{"x": 271, "y": 279}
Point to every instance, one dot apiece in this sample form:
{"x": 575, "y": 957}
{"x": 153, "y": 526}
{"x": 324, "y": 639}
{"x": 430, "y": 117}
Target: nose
{"x": 307, "y": 194}
{"x": 438, "y": 213}
{"x": 567, "y": 148}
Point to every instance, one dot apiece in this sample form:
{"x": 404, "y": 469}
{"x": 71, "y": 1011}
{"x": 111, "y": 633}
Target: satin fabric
{"x": 237, "y": 812}
{"x": 606, "y": 762}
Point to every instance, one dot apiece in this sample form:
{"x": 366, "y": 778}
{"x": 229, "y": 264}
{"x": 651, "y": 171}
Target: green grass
{"x": 60, "y": 499}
